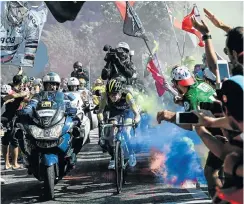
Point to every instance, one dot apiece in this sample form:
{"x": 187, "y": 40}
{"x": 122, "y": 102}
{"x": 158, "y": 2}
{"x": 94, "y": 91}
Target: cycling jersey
{"x": 26, "y": 36}
{"x": 198, "y": 92}
{"x": 126, "y": 102}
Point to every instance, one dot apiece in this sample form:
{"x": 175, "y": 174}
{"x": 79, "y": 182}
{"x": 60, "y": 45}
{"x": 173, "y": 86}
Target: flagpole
{"x": 174, "y": 33}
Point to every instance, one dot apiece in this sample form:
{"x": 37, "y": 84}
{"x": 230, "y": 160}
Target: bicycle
{"x": 121, "y": 152}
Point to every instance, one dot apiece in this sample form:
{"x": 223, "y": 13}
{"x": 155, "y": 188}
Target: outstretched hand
{"x": 218, "y": 23}
{"x": 201, "y": 27}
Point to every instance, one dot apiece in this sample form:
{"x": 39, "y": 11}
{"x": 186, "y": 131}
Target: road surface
{"x": 92, "y": 183}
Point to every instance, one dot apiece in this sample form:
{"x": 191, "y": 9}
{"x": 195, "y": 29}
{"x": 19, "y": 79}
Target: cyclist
{"x": 119, "y": 102}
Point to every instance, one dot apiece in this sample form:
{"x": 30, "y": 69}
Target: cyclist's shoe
{"x": 132, "y": 160}
{"x": 111, "y": 164}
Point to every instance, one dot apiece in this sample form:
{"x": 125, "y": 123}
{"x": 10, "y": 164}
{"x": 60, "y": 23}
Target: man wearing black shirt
{"x": 11, "y": 107}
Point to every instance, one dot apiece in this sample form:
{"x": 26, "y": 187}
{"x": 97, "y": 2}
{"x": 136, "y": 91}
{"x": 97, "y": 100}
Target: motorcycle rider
{"x": 73, "y": 85}
{"x": 119, "y": 64}
{"x": 118, "y": 102}
{"x": 51, "y": 83}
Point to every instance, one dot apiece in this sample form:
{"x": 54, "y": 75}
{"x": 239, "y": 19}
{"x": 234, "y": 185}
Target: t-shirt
{"x": 198, "y": 92}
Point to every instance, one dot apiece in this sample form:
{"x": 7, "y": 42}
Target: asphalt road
{"x": 91, "y": 182}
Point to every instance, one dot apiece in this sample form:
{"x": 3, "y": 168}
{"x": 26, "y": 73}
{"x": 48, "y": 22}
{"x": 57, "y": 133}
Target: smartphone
{"x": 223, "y": 67}
{"x": 186, "y": 118}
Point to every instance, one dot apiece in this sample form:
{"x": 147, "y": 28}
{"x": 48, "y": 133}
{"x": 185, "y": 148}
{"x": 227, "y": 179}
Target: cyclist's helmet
{"x": 114, "y": 86}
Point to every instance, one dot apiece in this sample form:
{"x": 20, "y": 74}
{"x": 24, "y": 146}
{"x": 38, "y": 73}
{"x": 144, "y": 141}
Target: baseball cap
{"x": 232, "y": 96}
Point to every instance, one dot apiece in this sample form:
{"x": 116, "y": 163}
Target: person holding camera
{"x": 119, "y": 63}
{"x": 80, "y": 72}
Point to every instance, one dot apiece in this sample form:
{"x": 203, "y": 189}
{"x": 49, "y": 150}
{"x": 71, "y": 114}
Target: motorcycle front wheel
{"x": 49, "y": 182}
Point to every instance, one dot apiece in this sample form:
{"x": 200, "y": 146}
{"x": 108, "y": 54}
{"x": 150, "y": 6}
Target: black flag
{"x": 132, "y": 23}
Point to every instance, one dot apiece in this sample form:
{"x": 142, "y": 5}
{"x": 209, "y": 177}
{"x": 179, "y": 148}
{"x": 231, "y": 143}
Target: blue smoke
{"x": 182, "y": 161}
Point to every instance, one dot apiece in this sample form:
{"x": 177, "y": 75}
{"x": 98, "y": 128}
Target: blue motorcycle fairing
{"x": 68, "y": 123}
{"x": 49, "y": 159}
{"x": 64, "y": 145}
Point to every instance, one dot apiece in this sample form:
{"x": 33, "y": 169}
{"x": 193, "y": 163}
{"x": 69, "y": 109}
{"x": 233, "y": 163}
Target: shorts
{"x": 213, "y": 161}
{"x": 9, "y": 138}
{"x": 114, "y": 115}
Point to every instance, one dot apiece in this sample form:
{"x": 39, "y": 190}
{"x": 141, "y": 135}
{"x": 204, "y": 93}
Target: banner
{"x": 152, "y": 67}
{"x": 121, "y": 5}
{"x": 132, "y": 24}
{"x": 19, "y": 43}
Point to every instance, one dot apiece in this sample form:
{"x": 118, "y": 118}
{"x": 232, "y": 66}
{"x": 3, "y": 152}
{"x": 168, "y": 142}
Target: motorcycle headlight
{"x": 36, "y": 131}
{"x": 56, "y": 131}
{"x": 49, "y": 133}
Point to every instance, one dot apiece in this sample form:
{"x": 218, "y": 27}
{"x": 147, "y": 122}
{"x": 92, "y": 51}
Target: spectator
{"x": 193, "y": 93}
{"x": 11, "y": 109}
{"x": 80, "y": 72}
{"x": 234, "y": 43}
{"x": 231, "y": 152}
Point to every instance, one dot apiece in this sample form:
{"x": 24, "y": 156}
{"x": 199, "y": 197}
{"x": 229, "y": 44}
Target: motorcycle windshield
{"x": 51, "y": 108}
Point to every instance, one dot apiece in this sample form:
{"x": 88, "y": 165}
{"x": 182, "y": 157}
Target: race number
{"x": 46, "y": 104}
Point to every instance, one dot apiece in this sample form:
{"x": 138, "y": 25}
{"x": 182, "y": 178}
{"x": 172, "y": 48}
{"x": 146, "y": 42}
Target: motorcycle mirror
{"x": 132, "y": 53}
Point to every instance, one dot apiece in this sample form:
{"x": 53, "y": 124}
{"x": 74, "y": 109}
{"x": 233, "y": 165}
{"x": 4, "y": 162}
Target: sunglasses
{"x": 226, "y": 50}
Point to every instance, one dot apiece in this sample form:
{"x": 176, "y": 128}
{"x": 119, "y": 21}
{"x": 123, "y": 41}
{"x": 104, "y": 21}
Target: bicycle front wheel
{"x": 119, "y": 163}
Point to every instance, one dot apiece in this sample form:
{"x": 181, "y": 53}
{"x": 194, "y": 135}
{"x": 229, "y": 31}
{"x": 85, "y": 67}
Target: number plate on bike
{"x": 46, "y": 104}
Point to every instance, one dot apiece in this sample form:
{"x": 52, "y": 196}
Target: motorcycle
{"x": 72, "y": 100}
{"x": 46, "y": 141}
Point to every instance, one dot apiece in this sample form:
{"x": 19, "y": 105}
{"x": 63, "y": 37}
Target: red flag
{"x": 159, "y": 79}
{"x": 121, "y": 5}
{"x": 187, "y": 26}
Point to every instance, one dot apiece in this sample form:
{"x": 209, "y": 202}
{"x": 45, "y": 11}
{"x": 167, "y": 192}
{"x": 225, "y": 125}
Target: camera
{"x": 213, "y": 107}
{"x": 111, "y": 53}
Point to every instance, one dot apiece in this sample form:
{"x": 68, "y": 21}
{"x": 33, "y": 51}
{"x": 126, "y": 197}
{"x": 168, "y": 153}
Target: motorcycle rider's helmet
{"x": 51, "y": 81}
{"x": 123, "y": 50}
{"x": 114, "y": 86}
{"x": 73, "y": 84}
{"x": 182, "y": 76}
{"x": 5, "y": 89}
{"x": 82, "y": 83}
{"x": 16, "y": 11}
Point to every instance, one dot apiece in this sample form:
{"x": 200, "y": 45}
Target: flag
{"x": 132, "y": 24}
{"x": 176, "y": 23}
{"x": 187, "y": 25}
{"x": 153, "y": 67}
{"x": 121, "y": 5}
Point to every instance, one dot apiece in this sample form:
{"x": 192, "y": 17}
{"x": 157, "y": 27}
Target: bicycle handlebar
{"x": 117, "y": 125}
